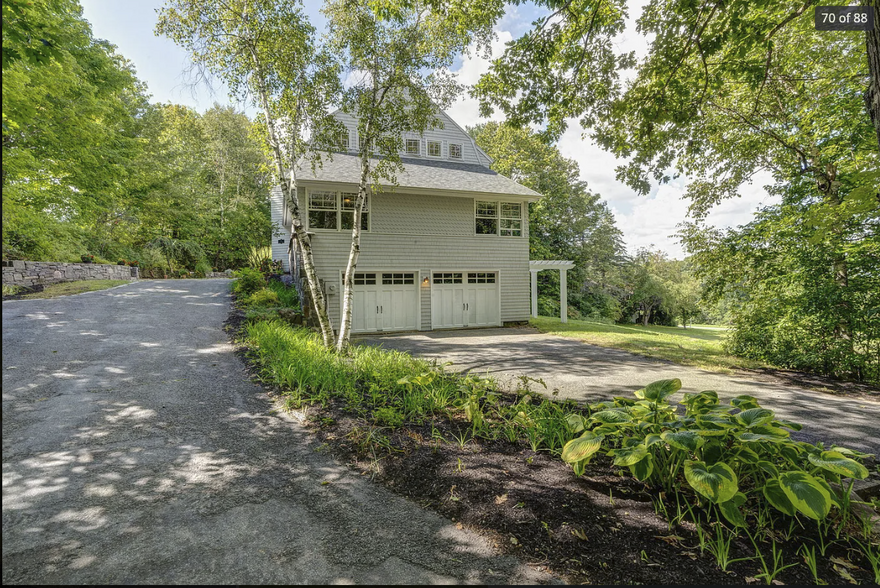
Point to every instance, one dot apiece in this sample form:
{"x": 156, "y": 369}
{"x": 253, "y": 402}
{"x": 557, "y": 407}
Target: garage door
{"x": 384, "y": 301}
{"x": 464, "y": 299}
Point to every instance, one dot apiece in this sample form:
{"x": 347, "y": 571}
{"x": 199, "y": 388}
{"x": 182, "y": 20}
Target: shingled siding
{"x": 405, "y": 213}
{"x": 33, "y": 273}
{"x": 426, "y": 254}
{"x": 279, "y": 250}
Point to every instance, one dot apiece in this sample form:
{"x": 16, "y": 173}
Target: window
{"x": 454, "y": 151}
{"x": 322, "y": 210}
{"x": 335, "y": 211}
{"x": 406, "y": 279}
{"x": 435, "y": 149}
{"x": 364, "y": 279}
{"x": 343, "y": 140}
{"x": 347, "y": 221}
{"x": 447, "y": 278}
{"x": 413, "y": 147}
{"x": 481, "y": 278}
{"x": 511, "y": 219}
{"x": 498, "y": 218}
{"x": 487, "y": 218}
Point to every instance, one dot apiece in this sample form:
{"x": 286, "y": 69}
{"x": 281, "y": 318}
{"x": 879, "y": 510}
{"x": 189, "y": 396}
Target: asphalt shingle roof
{"x": 423, "y": 174}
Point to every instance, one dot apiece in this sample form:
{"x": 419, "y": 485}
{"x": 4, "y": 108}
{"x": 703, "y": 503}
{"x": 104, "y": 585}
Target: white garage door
{"x": 384, "y": 301}
{"x": 464, "y": 299}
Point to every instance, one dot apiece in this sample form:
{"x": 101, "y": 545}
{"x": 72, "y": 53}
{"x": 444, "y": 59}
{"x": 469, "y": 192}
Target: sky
{"x": 646, "y": 221}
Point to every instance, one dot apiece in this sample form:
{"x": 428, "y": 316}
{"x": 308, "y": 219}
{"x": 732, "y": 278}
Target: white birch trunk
{"x": 288, "y": 189}
{"x": 348, "y": 280}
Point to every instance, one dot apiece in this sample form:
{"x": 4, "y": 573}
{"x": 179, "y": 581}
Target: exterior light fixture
{"x": 425, "y": 281}
{"x": 281, "y": 240}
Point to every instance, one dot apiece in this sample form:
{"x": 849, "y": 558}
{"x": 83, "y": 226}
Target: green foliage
{"x": 568, "y": 222}
{"x": 264, "y": 297}
{"x": 248, "y": 281}
{"x": 287, "y": 295}
{"x": 739, "y": 459}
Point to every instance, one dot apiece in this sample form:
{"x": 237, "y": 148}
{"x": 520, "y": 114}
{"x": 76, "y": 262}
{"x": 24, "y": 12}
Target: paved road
{"x": 588, "y": 372}
{"x": 136, "y": 450}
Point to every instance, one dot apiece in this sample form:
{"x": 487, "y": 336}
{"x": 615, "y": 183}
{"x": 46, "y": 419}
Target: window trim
{"x": 439, "y": 146}
{"x": 418, "y": 144}
{"x": 460, "y": 151}
{"x": 499, "y": 217}
{"x": 339, "y": 210}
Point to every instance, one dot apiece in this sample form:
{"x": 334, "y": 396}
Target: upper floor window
{"x": 455, "y": 151}
{"x": 498, "y": 218}
{"x": 335, "y": 211}
{"x": 435, "y": 148}
{"x": 412, "y": 147}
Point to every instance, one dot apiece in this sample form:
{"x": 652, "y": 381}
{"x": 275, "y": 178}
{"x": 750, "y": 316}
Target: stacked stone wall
{"x": 43, "y": 273}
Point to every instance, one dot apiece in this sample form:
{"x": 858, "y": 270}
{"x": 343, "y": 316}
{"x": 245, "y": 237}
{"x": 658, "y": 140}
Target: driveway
{"x": 590, "y": 373}
{"x": 137, "y": 450}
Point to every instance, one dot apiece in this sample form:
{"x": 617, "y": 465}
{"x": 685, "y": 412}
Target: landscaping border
{"x": 28, "y": 274}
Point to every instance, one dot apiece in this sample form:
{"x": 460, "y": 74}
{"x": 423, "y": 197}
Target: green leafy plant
{"x": 264, "y": 297}
{"x": 738, "y": 459}
{"x": 248, "y": 281}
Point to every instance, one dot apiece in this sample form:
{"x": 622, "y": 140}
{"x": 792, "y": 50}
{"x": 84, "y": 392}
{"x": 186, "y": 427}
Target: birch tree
{"x": 397, "y": 60}
{"x": 265, "y": 51}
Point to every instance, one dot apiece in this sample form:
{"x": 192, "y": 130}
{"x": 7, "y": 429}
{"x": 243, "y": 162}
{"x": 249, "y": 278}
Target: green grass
{"x": 68, "y": 288}
{"x": 699, "y": 345}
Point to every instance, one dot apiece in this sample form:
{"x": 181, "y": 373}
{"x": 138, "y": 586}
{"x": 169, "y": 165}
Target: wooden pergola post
{"x": 563, "y": 267}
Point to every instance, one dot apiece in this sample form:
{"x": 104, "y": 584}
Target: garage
{"x": 464, "y": 299}
{"x": 384, "y": 301}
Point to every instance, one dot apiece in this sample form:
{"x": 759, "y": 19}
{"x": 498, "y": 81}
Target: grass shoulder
{"x": 70, "y": 288}
{"x": 699, "y": 346}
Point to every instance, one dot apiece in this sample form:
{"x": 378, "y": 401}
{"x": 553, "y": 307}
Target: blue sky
{"x": 645, "y": 220}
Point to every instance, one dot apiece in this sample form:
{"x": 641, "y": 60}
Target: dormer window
{"x": 455, "y": 151}
{"x": 334, "y": 211}
{"x": 412, "y": 147}
{"x": 435, "y": 148}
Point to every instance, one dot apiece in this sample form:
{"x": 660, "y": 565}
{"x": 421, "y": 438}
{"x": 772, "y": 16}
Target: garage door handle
{"x": 377, "y": 310}
{"x": 381, "y": 310}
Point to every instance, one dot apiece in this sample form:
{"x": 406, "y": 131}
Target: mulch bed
{"x": 23, "y": 291}
{"x": 598, "y": 529}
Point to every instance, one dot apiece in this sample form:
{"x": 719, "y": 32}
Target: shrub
{"x": 248, "y": 281}
{"x": 264, "y": 297}
{"x": 202, "y": 268}
{"x": 287, "y": 295}
{"x": 737, "y": 459}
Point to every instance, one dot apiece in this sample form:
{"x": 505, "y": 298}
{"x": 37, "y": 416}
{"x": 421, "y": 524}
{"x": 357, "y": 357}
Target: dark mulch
{"x": 601, "y": 528}
{"x": 23, "y": 291}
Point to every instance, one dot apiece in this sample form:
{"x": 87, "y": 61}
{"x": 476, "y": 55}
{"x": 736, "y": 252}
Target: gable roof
{"x": 421, "y": 174}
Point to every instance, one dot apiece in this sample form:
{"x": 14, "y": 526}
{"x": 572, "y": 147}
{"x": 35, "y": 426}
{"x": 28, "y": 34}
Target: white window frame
{"x": 418, "y": 143}
{"x": 452, "y": 148}
{"x": 439, "y": 145}
{"x": 499, "y": 217}
{"x": 339, "y": 210}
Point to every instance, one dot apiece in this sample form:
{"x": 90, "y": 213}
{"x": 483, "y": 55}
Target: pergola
{"x": 563, "y": 267}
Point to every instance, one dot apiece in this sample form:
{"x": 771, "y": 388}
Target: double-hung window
{"x": 323, "y": 210}
{"x": 347, "y": 219}
{"x": 454, "y": 151}
{"x": 334, "y": 211}
{"x": 435, "y": 148}
{"x": 413, "y": 147}
{"x": 498, "y": 218}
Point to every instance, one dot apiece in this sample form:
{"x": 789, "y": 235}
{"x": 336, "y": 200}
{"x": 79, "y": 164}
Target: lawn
{"x": 699, "y": 345}
{"x": 68, "y": 288}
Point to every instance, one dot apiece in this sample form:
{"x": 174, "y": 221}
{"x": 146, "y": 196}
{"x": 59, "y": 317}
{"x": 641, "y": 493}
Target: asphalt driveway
{"x": 137, "y": 450}
{"x": 587, "y": 372}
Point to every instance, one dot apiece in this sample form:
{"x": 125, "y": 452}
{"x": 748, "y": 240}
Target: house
{"x": 447, "y": 247}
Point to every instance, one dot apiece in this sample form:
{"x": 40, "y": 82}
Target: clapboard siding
{"x": 510, "y": 257}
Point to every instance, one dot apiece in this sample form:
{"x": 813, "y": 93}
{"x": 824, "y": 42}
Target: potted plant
{"x": 121, "y": 262}
{"x": 87, "y": 258}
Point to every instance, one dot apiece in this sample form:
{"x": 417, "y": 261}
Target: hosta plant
{"x": 736, "y": 457}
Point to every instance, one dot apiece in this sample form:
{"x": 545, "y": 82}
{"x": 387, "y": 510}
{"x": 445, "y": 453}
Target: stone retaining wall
{"x": 33, "y": 273}
{"x": 226, "y": 274}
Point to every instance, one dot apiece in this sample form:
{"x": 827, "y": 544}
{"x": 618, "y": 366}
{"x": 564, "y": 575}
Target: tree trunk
{"x": 646, "y": 315}
{"x": 354, "y": 253}
{"x": 288, "y": 189}
{"x": 872, "y": 94}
